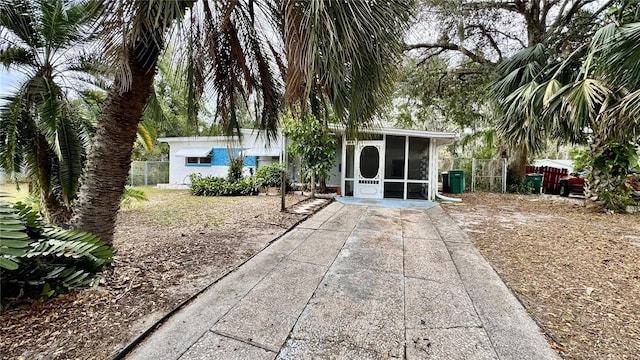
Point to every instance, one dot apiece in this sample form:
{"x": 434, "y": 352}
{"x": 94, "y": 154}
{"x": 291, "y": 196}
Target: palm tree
{"x": 527, "y": 82}
{"x": 39, "y": 125}
{"x": 343, "y": 50}
{"x": 591, "y": 95}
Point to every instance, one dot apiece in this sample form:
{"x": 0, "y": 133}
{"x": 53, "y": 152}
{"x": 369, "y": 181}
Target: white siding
{"x": 179, "y": 171}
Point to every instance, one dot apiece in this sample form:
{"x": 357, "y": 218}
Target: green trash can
{"x": 534, "y": 181}
{"x": 456, "y": 181}
{"x": 445, "y": 182}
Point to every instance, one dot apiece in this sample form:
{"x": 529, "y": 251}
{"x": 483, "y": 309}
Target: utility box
{"x": 456, "y": 181}
{"x": 534, "y": 181}
{"x": 445, "y": 182}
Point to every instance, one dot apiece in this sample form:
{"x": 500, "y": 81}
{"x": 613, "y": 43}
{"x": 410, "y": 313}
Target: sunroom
{"x": 392, "y": 164}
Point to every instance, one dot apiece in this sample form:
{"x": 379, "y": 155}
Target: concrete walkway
{"x": 357, "y": 282}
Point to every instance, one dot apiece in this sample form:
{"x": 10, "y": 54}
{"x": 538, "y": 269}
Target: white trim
{"x": 433, "y": 170}
{"x": 406, "y": 132}
{"x": 194, "y": 152}
{"x": 233, "y": 138}
{"x": 273, "y": 152}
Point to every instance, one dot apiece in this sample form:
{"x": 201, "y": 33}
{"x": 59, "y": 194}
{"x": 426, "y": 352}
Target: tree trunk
{"x": 322, "y": 185}
{"x": 518, "y": 164}
{"x": 107, "y": 167}
{"x": 53, "y": 209}
{"x": 313, "y": 183}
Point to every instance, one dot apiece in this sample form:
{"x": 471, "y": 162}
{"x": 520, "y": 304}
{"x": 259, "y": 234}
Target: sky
{"x": 8, "y": 82}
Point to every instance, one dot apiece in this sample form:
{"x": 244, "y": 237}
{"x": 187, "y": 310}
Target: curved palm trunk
{"x": 54, "y": 211}
{"x": 107, "y": 167}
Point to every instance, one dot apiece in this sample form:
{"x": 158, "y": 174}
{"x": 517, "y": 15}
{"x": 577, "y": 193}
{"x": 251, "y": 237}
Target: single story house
{"x": 209, "y": 155}
{"x": 379, "y": 163}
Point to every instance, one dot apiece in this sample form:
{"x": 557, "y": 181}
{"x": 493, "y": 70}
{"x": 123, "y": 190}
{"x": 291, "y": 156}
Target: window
{"x": 199, "y": 160}
{"x": 418, "y": 159}
{"x": 394, "y": 157}
{"x": 369, "y": 162}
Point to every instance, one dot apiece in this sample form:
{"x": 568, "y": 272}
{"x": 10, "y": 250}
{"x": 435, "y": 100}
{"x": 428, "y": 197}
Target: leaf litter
{"x": 167, "y": 250}
{"x": 577, "y": 271}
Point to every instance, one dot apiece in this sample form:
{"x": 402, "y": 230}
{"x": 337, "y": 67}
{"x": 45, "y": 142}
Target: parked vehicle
{"x": 572, "y": 183}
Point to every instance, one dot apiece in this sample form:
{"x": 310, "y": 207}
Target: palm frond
{"x": 519, "y": 102}
{"x": 534, "y": 54}
{"x": 241, "y": 65}
{"x": 144, "y": 137}
{"x": 624, "y": 118}
{"x": 583, "y": 102}
{"x": 488, "y": 136}
{"x": 622, "y": 56}
{"x": 14, "y": 56}
{"x": 20, "y": 19}
{"x": 346, "y": 50}
{"x": 70, "y": 160}
{"x": 551, "y": 88}
{"x": 12, "y": 116}
{"x": 137, "y": 27}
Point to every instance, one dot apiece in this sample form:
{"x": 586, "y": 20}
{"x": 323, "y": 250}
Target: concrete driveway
{"x": 356, "y": 282}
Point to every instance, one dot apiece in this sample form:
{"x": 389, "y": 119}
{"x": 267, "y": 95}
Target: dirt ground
{"x": 575, "y": 270}
{"x": 167, "y": 249}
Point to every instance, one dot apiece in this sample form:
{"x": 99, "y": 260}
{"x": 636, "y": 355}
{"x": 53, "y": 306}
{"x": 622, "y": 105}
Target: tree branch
{"x": 548, "y": 5}
{"x": 443, "y": 46}
{"x": 486, "y": 32}
{"x": 514, "y": 6}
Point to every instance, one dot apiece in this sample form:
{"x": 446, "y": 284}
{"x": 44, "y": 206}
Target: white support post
{"x": 433, "y": 174}
{"x": 406, "y": 167}
{"x": 473, "y": 174}
{"x": 504, "y": 175}
{"x": 146, "y": 173}
{"x": 343, "y": 167}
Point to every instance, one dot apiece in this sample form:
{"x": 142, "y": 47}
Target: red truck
{"x": 574, "y": 183}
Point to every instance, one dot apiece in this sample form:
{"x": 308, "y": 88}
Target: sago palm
{"x": 39, "y": 126}
{"x": 343, "y": 50}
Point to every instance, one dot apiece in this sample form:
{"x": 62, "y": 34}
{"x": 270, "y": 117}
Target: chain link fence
{"x": 145, "y": 173}
{"x": 489, "y": 175}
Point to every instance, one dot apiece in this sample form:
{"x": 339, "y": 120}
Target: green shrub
{"x": 234, "y": 173}
{"x": 581, "y": 157}
{"x": 605, "y": 183}
{"x": 269, "y": 175}
{"x": 217, "y": 186}
{"x": 516, "y": 185}
{"x": 39, "y": 260}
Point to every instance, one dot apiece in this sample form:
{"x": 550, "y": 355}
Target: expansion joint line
{"x": 246, "y": 341}
{"x": 404, "y": 285}
{"x": 306, "y": 307}
{"x": 464, "y": 285}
